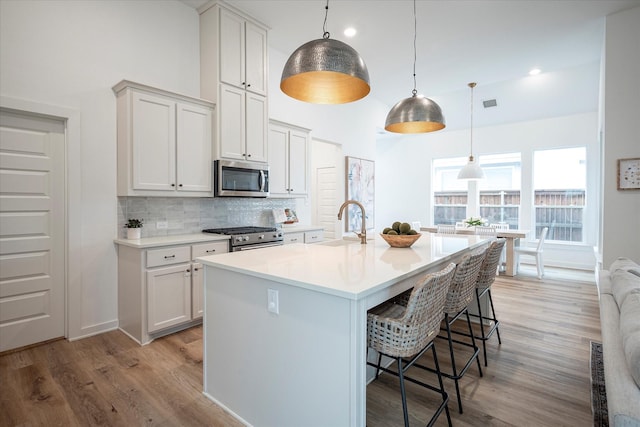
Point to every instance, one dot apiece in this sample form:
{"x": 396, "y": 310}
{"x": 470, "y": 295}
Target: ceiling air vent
{"x": 489, "y": 103}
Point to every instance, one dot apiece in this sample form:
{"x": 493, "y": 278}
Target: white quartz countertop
{"x": 295, "y": 228}
{"x": 344, "y": 267}
{"x": 179, "y": 239}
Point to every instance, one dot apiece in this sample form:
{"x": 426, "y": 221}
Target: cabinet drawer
{"x": 212, "y": 248}
{"x": 293, "y": 238}
{"x": 313, "y": 236}
{"x": 167, "y": 256}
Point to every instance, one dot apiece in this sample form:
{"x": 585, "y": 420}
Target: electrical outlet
{"x": 162, "y": 225}
{"x": 273, "y": 305}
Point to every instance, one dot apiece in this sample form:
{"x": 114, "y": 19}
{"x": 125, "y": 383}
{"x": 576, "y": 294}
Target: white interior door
{"x": 32, "y": 229}
{"x": 326, "y": 194}
{"x": 327, "y": 186}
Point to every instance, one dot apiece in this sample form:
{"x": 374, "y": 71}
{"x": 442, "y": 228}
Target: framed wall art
{"x": 360, "y": 185}
{"x": 629, "y": 174}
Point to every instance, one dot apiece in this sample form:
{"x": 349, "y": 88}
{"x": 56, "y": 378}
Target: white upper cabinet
{"x": 288, "y": 160}
{"x": 164, "y": 143}
{"x": 233, "y": 73}
{"x": 243, "y": 49}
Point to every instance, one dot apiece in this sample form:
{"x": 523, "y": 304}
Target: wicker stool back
{"x": 416, "y": 321}
{"x": 463, "y": 283}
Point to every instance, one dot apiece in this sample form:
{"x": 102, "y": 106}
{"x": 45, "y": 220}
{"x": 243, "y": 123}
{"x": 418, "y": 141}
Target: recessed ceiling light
{"x": 350, "y": 32}
{"x": 535, "y": 71}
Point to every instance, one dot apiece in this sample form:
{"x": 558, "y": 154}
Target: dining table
{"x": 513, "y": 237}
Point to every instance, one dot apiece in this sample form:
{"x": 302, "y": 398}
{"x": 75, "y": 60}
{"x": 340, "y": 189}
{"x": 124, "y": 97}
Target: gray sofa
{"x": 619, "y": 293}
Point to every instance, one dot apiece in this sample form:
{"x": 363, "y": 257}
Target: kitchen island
{"x": 285, "y": 327}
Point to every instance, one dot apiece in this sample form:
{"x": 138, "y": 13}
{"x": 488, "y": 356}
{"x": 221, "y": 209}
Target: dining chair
{"x": 501, "y": 226}
{"x": 446, "y": 229}
{"x": 460, "y": 225}
{"x": 534, "y": 252}
{"x": 406, "y": 326}
{"x": 485, "y": 230}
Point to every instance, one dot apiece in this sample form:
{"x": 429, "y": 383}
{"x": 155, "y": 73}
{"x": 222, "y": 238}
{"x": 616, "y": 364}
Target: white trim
{"x": 73, "y": 240}
{"x": 98, "y": 329}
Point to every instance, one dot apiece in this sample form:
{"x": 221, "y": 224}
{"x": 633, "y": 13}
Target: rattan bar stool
{"x": 459, "y": 297}
{"x": 486, "y": 277}
{"x": 406, "y": 327}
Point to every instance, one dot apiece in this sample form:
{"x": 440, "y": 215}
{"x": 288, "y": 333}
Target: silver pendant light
{"x": 472, "y": 170}
{"x": 416, "y": 114}
{"x": 325, "y": 71}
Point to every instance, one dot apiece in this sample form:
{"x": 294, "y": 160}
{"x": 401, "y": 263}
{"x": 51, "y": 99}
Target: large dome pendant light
{"x": 472, "y": 170}
{"x": 416, "y": 114}
{"x": 325, "y": 71}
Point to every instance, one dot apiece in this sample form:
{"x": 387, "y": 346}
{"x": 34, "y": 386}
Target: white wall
{"x": 621, "y": 209}
{"x": 70, "y": 54}
{"x": 403, "y": 166}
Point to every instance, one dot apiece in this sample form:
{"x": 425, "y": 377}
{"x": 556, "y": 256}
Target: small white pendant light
{"x": 325, "y": 71}
{"x": 416, "y": 114}
{"x": 472, "y": 170}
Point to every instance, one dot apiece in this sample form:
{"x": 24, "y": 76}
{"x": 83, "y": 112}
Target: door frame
{"x": 72, "y": 191}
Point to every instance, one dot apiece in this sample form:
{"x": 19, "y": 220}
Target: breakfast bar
{"x": 285, "y": 327}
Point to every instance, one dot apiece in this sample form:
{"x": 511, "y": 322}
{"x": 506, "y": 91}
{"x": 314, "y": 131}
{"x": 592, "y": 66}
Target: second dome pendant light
{"x": 416, "y": 114}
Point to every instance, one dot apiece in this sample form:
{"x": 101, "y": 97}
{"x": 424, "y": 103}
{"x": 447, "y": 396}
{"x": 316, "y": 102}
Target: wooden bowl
{"x": 400, "y": 240}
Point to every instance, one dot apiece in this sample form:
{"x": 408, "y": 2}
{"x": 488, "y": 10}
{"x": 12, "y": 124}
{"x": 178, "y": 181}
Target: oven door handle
{"x": 260, "y": 246}
{"x": 263, "y": 181}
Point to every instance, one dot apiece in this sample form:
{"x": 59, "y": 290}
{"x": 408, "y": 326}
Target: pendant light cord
{"x": 325, "y": 33}
{"x": 415, "y": 54}
{"x": 471, "y": 85}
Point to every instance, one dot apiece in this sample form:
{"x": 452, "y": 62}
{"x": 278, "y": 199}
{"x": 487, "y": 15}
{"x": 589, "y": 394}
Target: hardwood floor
{"x": 538, "y": 376}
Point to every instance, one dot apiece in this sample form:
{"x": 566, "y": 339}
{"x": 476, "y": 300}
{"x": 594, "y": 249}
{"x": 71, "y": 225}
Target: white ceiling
{"x": 494, "y": 43}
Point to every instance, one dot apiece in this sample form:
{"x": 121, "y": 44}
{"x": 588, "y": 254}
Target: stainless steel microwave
{"x": 240, "y": 179}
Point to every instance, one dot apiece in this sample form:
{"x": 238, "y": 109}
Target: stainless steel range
{"x": 246, "y": 238}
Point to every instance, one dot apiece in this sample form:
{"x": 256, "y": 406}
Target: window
{"x": 559, "y": 182}
{"x": 500, "y": 191}
{"x": 449, "y": 193}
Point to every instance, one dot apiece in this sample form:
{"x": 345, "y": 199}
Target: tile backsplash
{"x": 192, "y": 215}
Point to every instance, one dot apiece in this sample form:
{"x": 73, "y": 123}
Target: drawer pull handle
{"x": 210, "y": 251}
{"x": 169, "y": 256}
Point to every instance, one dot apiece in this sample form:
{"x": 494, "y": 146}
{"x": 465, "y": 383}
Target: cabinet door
{"x": 278, "y": 160}
{"x": 232, "y": 52}
{"x": 298, "y": 161}
{"x": 256, "y": 59}
{"x": 232, "y": 122}
{"x": 257, "y": 122}
{"x": 153, "y": 142}
{"x": 168, "y": 296}
{"x": 197, "y": 290}
{"x": 194, "y": 148}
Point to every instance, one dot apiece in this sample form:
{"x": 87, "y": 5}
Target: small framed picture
{"x": 629, "y": 174}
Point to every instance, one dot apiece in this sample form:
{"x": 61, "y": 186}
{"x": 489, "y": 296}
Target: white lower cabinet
{"x": 293, "y": 238}
{"x": 310, "y": 236}
{"x": 197, "y": 273}
{"x": 160, "y": 290}
{"x": 168, "y": 296}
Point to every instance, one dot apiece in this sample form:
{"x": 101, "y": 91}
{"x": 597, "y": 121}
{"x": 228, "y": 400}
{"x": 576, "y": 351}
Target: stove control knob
{"x": 246, "y": 238}
{"x": 238, "y": 239}
{"x": 261, "y": 237}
